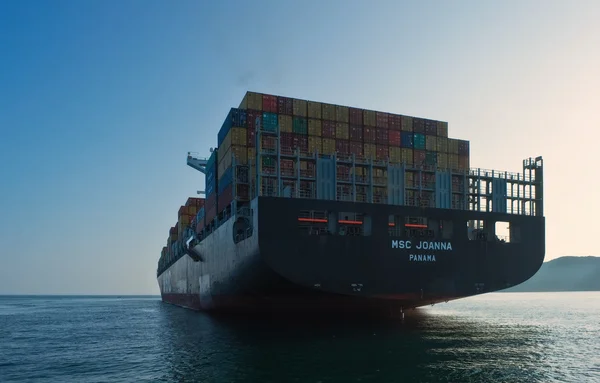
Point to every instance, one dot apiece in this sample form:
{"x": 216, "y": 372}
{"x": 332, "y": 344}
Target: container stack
{"x": 234, "y": 143}
{"x": 210, "y": 205}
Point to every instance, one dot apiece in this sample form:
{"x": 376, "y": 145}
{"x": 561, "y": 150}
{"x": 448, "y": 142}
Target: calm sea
{"x": 517, "y": 337}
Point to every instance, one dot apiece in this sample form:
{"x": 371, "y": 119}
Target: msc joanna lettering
{"x": 313, "y": 207}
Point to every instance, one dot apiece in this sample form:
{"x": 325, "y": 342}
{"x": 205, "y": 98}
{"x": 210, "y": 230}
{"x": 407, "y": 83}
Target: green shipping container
{"x": 419, "y": 141}
{"x": 269, "y": 122}
{"x": 431, "y": 158}
{"x": 300, "y": 125}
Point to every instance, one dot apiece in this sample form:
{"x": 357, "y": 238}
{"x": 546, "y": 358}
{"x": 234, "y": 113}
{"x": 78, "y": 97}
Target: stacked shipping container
{"x": 311, "y": 128}
{"x": 314, "y": 127}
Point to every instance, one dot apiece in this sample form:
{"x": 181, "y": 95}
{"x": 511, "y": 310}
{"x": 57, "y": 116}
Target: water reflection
{"x": 427, "y": 346}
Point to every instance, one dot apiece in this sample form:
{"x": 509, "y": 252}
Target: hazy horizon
{"x": 101, "y": 104}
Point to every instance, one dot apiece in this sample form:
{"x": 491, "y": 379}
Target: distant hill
{"x": 564, "y": 274}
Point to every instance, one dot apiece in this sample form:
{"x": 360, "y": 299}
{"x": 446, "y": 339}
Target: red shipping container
{"x": 301, "y": 142}
{"x": 285, "y": 105}
{"x": 287, "y": 141}
{"x": 382, "y": 136}
{"x": 355, "y": 116}
{"x": 211, "y": 201}
{"x": 395, "y": 121}
{"x": 243, "y": 192}
{"x": 173, "y": 230}
{"x": 210, "y": 214}
{"x": 382, "y": 152}
{"x": 269, "y": 103}
{"x": 328, "y": 130}
{"x": 342, "y": 146}
{"x": 251, "y": 134}
{"x": 394, "y": 137}
{"x": 199, "y": 226}
{"x": 369, "y": 135}
{"x": 287, "y": 167}
{"x": 251, "y": 119}
{"x": 419, "y": 157}
{"x": 225, "y": 198}
{"x": 356, "y": 148}
{"x": 382, "y": 120}
{"x": 356, "y": 133}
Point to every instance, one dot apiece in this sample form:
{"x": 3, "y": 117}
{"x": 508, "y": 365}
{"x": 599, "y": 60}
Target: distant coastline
{"x": 564, "y": 274}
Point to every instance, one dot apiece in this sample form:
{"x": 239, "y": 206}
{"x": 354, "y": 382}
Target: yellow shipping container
{"x": 328, "y": 112}
{"x": 315, "y": 144}
{"x": 407, "y": 156}
{"x": 285, "y": 123}
{"x": 314, "y": 127}
{"x": 252, "y": 101}
{"x": 236, "y": 136}
{"x": 251, "y": 156}
{"x": 184, "y": 219}
{"x": 300, "y": 107}
{"x": 431, "y": 143}
{"x": 328, "y": 145}
{"x": 341, "y": 130}
{"x": 453, "y": 161}
{"x": 442, "y": 160}
{"x": 395, "y": 155}
{"x": 314, "y": 109}
{"x": 442, "y": 129}
{"x": 407, "y": 124}
{"x": 370, "y": 117}
{"x": 241, "y": 158}
{"x": 370, "y": 151}
{"x": 442, "y": 144}
{"x": 360, "y": 171}
{"x": 192, "y": 210}
{"x": 452, "y": 146}
{"x": 341, "y": 114}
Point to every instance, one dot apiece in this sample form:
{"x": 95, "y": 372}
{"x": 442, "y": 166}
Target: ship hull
{"x": 278, "y": 268}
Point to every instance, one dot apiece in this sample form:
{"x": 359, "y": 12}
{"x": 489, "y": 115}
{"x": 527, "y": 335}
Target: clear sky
{"x": 100, "y": 102}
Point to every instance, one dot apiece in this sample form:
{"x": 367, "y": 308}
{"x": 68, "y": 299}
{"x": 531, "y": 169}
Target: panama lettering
{"x": 422, "y": 245}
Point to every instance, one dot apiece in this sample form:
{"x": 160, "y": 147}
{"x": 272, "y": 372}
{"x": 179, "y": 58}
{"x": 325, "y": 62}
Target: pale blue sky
{"x": 100, "y": 102}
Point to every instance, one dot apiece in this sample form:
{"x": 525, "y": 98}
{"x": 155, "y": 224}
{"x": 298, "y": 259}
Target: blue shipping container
{"x": 225, "y": 179}
{"x": 235, "y": 117}
{"x": 270, "y": 123}
{"x": 419, "y": 141}
{"x": 200, "y": 215}
{"x": 406, "y": 140}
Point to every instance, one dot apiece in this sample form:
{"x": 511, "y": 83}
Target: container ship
{"x": 317, "y": 207}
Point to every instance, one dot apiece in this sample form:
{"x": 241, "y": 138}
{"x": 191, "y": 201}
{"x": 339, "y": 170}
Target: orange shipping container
{"x": 285, "y": 123}
{"x": 314, "y": 109}
{"x": 442, "y": 144}
{"x": 442, "y": 160}
{"x": 252, "y": 101}
{"x": 341, "y": 130}
{"x": 395, "y": 155}
{"x": 328, "y": 145}
{"x": 314, "y": 127}
{"x": 315, "y": 145}
{"x": 328, "y": 112}
{"x": 453, "y": 146}
{"x": 407, "y": 156}
{"x": 370, "y": 118}
{"x": 341, "y": 113}
{"x": 407, "y": 124}
{"x": 300, "y": 107}
{"x": 453, "y": 161}
{"x": 463, "y": 162}
{"x": 431, "y": 143}
{"x": 442, "y": 129}
{"x": 370, "y": 151}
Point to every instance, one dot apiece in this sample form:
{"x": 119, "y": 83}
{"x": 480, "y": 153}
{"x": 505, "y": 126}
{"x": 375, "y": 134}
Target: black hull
{"x": 281, "y": 269}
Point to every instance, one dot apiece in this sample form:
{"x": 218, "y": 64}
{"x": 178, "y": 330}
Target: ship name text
{"x": 422, "y": 245}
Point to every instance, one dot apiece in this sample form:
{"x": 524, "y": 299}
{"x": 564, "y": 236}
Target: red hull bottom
{"x": 323, "y": 303}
